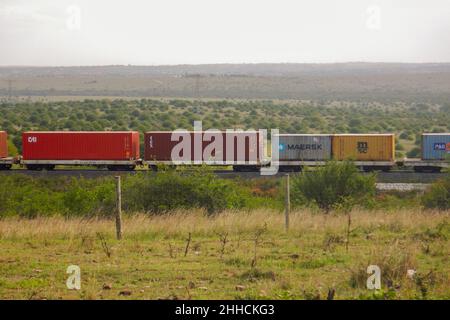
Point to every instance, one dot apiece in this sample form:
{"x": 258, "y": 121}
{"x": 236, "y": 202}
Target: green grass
{"x": 301, "y": 264}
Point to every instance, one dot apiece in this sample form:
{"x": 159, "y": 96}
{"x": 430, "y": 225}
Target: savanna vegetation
{"x": 30, "y": 197}
{"x": 337, "y": 186}
{"x": 407, "y": 120}
{"x": 192, "y": 235}
{"x": 234, "y": 255}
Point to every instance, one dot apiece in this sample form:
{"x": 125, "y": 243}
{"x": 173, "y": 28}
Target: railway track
{"x": 382, "y": 177}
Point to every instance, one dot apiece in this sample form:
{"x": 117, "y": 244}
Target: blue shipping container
{"x": 436, "y": 146}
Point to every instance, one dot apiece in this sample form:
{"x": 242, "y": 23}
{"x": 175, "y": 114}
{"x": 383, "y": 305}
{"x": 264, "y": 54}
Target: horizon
{"x": 225, "y": 63}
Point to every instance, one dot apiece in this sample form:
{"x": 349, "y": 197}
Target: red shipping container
{"x": 3, "y": 144}
{"x": 80, "y": 145}
{"x": 159, "y": 146}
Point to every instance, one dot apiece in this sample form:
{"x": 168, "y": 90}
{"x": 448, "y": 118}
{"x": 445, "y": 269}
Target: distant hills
{"x": 426, "y": 82}
{"x": 258, "y": 69}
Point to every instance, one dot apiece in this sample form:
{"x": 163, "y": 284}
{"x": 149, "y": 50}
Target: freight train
{"x": 243, "y": 150}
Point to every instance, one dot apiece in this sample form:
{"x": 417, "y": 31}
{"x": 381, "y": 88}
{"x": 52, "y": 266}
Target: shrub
{"x": 26, "y": 197}
{"x": 438, "y": 195}
{"x": 336, "y": 185}
{"x": 84, "y": 197}
{"x": 30, "y": 197}
{"x": 172, "y": 189}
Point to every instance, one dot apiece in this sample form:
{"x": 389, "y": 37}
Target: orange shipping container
{"x": 364, "y": 147}
{"x": 3, "y": 144}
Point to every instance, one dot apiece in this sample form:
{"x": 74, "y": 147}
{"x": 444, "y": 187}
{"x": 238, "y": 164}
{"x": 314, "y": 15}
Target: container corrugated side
{"x": 304, "y": 147}
{"x": 436, "y": 146}
{"x": 80, "y": 145}
{"x": 189, "y": 146}
{"x": 363, "y": 147}
{"x": 3, "y": 144}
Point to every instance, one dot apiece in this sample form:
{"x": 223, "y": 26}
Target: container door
{"x": 127, "y": 147}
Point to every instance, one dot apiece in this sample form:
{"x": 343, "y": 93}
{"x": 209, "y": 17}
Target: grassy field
{"x": 234, "y": 255}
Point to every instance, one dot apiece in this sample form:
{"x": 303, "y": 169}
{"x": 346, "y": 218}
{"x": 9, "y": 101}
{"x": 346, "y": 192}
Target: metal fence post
{"x": 118, "y": 209}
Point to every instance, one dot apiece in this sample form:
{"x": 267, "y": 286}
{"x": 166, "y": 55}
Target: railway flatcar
{"x": 240, "y": 149}
{"x": 6, "y": 162}
{"x": 115, "y": 150}
{"x": 435, "y": 153}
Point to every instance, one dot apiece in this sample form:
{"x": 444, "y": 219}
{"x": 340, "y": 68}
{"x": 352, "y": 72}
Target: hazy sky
{"x": 147, "y": 32}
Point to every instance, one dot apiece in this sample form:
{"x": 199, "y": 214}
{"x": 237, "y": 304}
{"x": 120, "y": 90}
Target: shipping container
{"x": 213, "y": 147}
{"x": 363, "y": 147}
{"x": 304, "y": 147}
{"x": 72, "y": 145}
{"x": 3, "y": 144}
{"x": 436, "y": 146}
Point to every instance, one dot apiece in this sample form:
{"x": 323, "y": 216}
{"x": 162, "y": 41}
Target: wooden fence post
{"x": 118, "y": 209}
{"x": 287, "y": 203}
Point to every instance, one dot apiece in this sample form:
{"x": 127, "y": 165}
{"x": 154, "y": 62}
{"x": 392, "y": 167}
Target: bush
{"x": 84, "y": 198}
{"x": 171, "y": 189}
{"x": 30, "y": 197}
{"x": 334, "y": 186}
{"x": 438, "y": 195}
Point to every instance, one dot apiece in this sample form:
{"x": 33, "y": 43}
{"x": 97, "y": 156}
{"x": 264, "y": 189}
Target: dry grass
{"x": 152, "y": 262}
{"x": 195, "y": 221}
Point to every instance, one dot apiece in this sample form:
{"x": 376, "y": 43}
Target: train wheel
{"x": 153, "y": 167}
{"x": 5, "y": 167}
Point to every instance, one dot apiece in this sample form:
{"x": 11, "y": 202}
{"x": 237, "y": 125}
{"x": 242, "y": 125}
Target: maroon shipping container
{"x": 3, "y": 144}
{"x": 72, "y": 145}
{"x": 206, "y": 146}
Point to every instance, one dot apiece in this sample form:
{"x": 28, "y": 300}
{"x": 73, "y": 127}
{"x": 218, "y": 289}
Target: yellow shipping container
{"x": 363, "y": 147}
